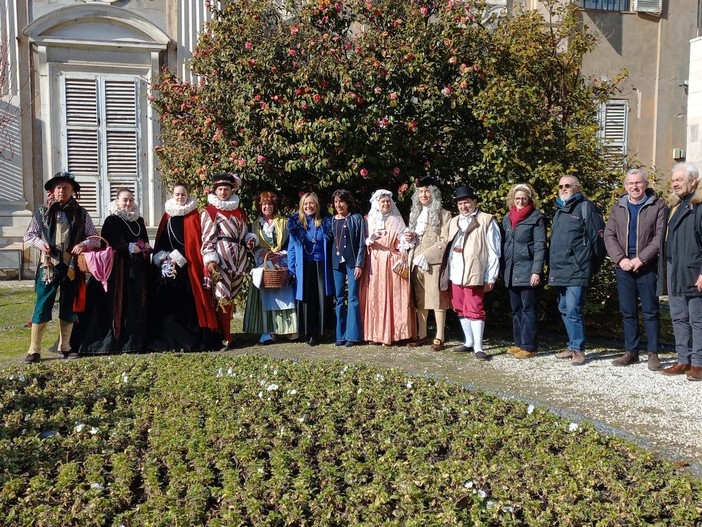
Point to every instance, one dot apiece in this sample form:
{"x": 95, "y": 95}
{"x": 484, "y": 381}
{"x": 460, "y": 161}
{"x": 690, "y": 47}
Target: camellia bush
{"x": 301, "y": 95}
{"x": 217, "y": 440}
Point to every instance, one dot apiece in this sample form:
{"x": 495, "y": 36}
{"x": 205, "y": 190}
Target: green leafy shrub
{"x": 212, "y": 440}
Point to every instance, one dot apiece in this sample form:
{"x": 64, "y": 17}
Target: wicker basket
{"x": 82, "y": 264}
{"x": 273, "y": 278}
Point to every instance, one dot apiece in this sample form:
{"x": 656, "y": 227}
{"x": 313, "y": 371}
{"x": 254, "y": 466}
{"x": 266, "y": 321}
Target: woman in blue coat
{"x": 309, "y": 262}
{"x": 524, "y": 253}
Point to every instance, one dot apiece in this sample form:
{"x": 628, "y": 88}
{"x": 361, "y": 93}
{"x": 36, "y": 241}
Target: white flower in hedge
{"x": 491, "y": 504}
{"x": 530, "y": 409}
{"x": 508, "y": 508}
{"x": 94, "y": 430}
{"x": 409, "y": 384}
{"x": 231, "y": 373}
{"x": 96, "y": 486}
{"x": 379, "y": 377}
{"x": 125, "y": 378}
{"x": 469, "y": 484}
{"x": 573, "y": 427}
{"x": 260, "y": 395}
{"x": 292, "y": 392}
{"x": 79, "y": 427}
{"x": 482, "y": 494}
{"x": 272, "y": 387}
{"x": 220, "y": 372}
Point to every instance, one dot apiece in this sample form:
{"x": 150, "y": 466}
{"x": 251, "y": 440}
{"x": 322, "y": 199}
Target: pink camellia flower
{"x": 393, "y": 96}
{"x": 252, "y": 62}
{"x": 316, "y": 97}
{"x": 446, "y": 92}
{"x": 377, "y": 90}
{"x": 364, "y": 172}
{"x": 260, "y": 158}
{"x": 242, "y": 162}
{"x": 248, "y": 45}
{"x": 292, "y": 52}
{"x": 403, "y": 188}
{"x": 207, "y": 190}
{"x": 396, "y": 171}
{"x": 453, "y": 60}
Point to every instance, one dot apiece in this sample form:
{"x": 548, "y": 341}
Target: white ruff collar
{"x": 126, "y": 215}
{"x": 174, "y": 209}
{"x": 231, "y": 204}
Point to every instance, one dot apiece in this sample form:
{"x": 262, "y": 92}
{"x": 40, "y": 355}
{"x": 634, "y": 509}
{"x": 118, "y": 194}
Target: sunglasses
{"x": 565, "y": 185}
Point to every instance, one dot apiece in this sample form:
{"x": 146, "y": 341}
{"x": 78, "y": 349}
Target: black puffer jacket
{"x": 523, "y": 249}
{"x": 572, "y": 241}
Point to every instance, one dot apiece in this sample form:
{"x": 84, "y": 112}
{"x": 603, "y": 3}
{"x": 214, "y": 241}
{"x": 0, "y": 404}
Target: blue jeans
{"x": 523, "y": 301}
{"x": 571, "y": 300}
{"x": 348, "y": 307}
{"x": 633, "y": 287}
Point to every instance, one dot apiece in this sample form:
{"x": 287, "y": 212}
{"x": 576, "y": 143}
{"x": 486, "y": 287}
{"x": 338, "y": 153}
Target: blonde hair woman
{"x": 309, "y": 261}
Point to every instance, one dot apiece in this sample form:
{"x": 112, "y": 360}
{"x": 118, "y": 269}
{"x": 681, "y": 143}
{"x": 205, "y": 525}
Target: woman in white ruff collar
{"x": 225, "y": 238}
{"x": 115, "y": 318}
{"x": 182, "y": 315}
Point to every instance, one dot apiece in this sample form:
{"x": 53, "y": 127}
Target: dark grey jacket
{"x": 523, "y": 249}
{"x": 573, "y": 239}
{"x": 681, "y": 250}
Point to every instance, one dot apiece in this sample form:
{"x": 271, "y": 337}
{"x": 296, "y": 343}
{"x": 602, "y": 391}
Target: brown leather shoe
{"x": 513, "y": 350}
{"x": 565, "y": 354}
{"x": 578, "y": 358}
{"x": 654, "y": 363}
{"x": 437, "y": 345}
{"x": 694, "y": 373}
{"x": 417, "y": 342}
{"x": 676, "y": 369}
{"x": 627, "y": 359}
{"x": 524, "y": 354}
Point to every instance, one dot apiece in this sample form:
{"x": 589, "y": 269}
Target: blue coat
{"x": 296, "y": 254}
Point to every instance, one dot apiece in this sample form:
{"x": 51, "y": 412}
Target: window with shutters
{"x": 614, "y": 117}
{"x": 101, "y": 132}
{"x": 605, "y": 5}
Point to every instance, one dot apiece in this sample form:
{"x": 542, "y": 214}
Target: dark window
{"x": 606, "y": 5}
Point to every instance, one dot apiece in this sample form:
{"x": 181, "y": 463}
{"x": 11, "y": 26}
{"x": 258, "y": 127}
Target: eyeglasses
{"x": 565, "y": 185}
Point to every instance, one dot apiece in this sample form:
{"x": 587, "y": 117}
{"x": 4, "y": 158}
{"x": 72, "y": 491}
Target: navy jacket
{"x": 572, "y": 242}
{"x": 523, "y": 249}
{"x": 351, "y": 243}
{"x": 681, "y": 251}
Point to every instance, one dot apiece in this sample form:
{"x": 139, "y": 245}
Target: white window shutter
{"x": 651, "y": 7}
{"x": 121, "y": 137}
{"x": 614, "y": 118}
{"x": 82, "y": 139}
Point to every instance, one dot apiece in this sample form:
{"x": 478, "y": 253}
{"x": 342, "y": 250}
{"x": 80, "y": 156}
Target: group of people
{"x": 369, "y": 279}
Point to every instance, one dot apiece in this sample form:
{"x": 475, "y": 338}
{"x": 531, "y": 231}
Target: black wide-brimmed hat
{"x": 222, "y": 178}
{"x": 464, "y": 193}
{"x": 62, "y": 176}
{"x": 426, "y": 181}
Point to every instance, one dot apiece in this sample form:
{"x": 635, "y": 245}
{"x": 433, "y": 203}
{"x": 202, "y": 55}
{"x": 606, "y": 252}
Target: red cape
{"x": 196, "y": 269}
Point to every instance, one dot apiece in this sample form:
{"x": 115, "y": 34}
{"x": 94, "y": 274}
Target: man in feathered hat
{"x": 58, "y": 230}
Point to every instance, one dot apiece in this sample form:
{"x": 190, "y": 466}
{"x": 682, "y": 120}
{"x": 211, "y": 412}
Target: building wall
{"x": 654, "y": 51}
{"x": 694, "y": 108}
